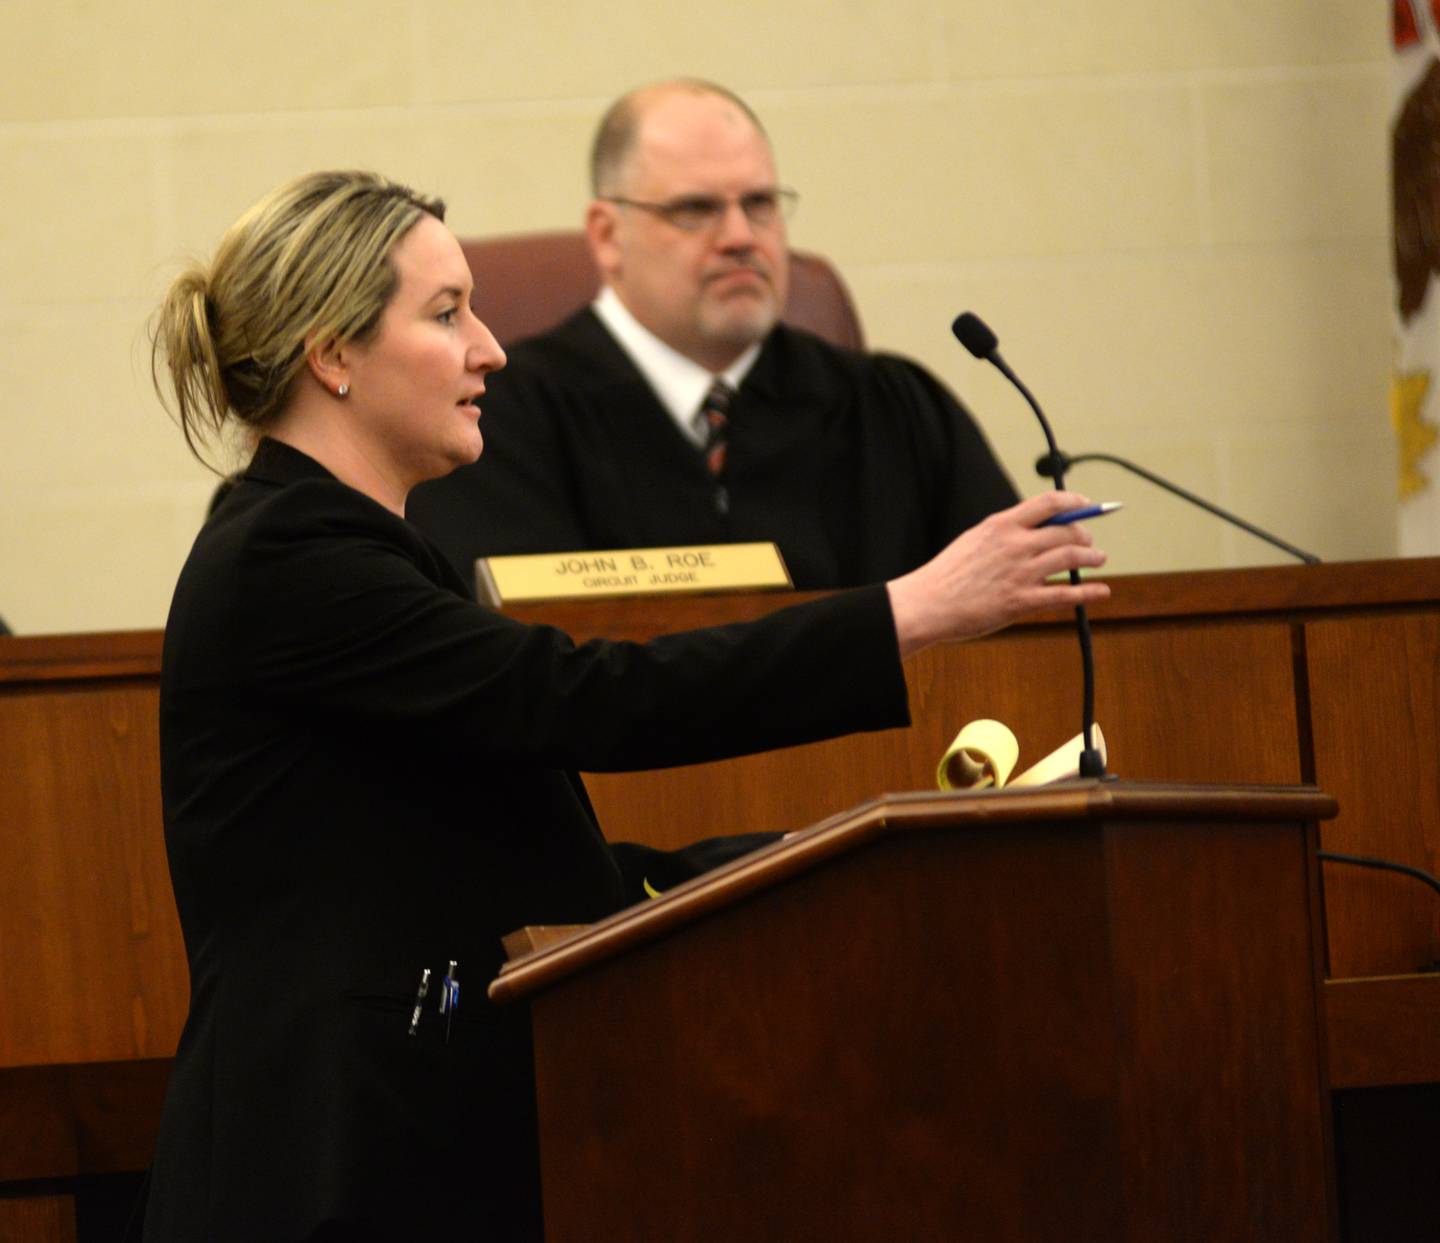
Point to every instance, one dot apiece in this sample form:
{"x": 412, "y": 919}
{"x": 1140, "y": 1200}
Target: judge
{"x": 368, "y": 779}
{"x": 679, "y": 410}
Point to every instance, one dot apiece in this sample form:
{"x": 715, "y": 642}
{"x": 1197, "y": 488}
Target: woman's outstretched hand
{"x": 995, "y": 573}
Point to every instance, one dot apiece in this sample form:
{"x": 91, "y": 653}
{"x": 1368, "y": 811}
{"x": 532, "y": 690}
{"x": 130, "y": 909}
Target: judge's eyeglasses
{"x": 695, "y": 213}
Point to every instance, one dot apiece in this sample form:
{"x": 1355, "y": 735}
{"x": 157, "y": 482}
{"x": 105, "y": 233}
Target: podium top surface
{"x": 1077, "y": 801}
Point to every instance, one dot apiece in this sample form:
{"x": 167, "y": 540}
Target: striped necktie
{"x": 713, "y": 416}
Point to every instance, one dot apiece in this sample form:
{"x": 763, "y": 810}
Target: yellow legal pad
{"x": 630, "y": 572}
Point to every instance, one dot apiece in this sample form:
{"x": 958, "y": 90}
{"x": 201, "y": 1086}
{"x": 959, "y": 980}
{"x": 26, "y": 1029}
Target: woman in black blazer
{"x": 369, "y": 778}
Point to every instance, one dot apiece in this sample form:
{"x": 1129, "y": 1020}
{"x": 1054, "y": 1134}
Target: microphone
{"x": 1054, "y": 464}
{"x": 974, "y": 334}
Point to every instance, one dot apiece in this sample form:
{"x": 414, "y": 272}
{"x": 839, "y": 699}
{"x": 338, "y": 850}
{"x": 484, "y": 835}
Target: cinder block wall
{"x": 1174, "y": 215}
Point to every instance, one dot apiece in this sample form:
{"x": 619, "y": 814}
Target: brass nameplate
{"x": 629, "y": 572}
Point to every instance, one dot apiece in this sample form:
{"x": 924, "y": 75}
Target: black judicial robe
{"x": 366, "y": 774}
{"x": 860, "y": 467}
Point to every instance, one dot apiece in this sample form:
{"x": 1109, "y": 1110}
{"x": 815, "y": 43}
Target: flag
{"x": 1415, "y": 189}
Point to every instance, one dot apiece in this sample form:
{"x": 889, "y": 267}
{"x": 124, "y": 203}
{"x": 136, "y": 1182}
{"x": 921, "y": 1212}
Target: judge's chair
{"x": 529, "y": 282}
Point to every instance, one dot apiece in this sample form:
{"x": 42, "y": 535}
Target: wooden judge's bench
{"x": 1309, "y": 676}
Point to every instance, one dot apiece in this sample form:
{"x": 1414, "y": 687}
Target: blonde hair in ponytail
{"x": 309, "y": 262}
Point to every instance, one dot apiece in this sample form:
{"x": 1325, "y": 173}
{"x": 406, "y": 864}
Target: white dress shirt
{"x": 680, "y": 383}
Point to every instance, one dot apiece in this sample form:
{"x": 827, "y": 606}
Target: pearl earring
{"x": 343, "y": 391}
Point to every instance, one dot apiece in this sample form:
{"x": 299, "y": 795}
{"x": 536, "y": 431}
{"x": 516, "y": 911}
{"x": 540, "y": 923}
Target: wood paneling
{"x": 74, "y": 657}
{"x": 68, "y": 1121}
{"x": 1176, "y": 704}
{"x": 1384, "y": 1032}
{"x": 1284, "y": 674}
{"x": 38, "y": 1219}
{"x": 92, "y": 965}
{"x": 1375, "y": 704}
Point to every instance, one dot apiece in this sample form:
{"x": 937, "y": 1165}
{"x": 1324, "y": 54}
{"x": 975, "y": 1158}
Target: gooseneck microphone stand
{"x": 976, "y": 337}
{"x": 1054, "y": 464}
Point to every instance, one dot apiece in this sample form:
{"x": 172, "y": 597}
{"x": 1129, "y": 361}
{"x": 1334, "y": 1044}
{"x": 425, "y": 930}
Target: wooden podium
{"x": 1087, "y": 1012}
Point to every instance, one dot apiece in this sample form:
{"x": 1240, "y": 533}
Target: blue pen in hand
{"x": 1079, "y": 515}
